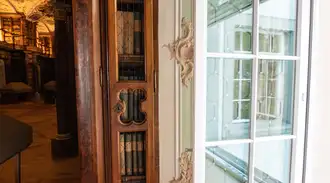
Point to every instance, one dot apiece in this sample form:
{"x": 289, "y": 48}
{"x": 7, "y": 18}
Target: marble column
{"x": 65, "y": 144}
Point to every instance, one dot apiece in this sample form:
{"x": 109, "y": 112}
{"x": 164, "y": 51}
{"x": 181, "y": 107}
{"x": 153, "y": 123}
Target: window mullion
{"x": 200, "y": 85}
{"x": 255, "y": 50}
{"x": 302, "y": 51}
{"x": 240, "y": 89}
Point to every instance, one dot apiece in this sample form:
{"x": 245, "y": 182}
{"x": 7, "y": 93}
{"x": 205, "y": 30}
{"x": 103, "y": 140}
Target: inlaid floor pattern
{"x": 37, "y": 164}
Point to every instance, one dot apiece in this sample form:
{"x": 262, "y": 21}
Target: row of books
{"x": 13, "y": 26}
{"x": 129, "y": 32}
{"x": 135, "y": 74}
{"x": 133, "y": 100}
{"x": 132, "y": 154}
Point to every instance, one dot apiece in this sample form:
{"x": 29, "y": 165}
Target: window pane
{"x": 272, "y": 161}
{"x": 247, "y": 44}
{"x": 275, "y": 97}
{"x": 277, "y": 28}
{"x": 228, "y": 99}
{"x": 227, "y": 164}
{"x": 237, "y": 40}
{"x": 229, "y": 26}
{"x": 263, "y": 42}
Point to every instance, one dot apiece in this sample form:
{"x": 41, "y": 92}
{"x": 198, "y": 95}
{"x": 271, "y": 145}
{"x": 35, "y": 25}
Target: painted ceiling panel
{"x": 6, "y": 7}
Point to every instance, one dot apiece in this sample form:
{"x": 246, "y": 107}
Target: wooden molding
{"x": 86, "y": 78}
{"x": 11, "y": 15}
{"x": 182, "y": 51}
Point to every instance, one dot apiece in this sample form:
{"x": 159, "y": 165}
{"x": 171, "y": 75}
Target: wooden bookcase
{"x": 132, "y": 92}
{"x": 18, "y": 31}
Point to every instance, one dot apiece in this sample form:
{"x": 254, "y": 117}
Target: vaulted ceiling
{"x": 40, "y": 11}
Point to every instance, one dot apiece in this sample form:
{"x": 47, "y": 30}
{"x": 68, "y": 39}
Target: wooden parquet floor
{"x": 37, "y": 164}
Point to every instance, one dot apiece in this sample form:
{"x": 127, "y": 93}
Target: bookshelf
{"x": 132, "y": 92}
{"x": 12, "y": 30}
{"x": 7, "y": 26}
{"x": 30, "y": 29}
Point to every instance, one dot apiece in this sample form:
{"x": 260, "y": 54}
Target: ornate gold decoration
{"x": 182, "y": 50}
{"x": 186, "y": 168}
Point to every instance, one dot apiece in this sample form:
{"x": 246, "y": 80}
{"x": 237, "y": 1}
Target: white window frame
{"x": 200, "y": 85}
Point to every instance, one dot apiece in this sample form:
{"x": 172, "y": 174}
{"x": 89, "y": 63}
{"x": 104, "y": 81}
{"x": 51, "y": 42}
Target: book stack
{"x": 30, "y": 29}
{"x": 130, "y": 46}
{"x": 16, "y": 30}
{"x": 129, "y": 33}
{"x": 132, "y": 156}
{"x": 6, "y": 25}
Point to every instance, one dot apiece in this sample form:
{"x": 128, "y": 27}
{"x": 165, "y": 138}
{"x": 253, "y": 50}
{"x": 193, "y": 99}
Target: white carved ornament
{"x": 182, "y": 51}
{"x": 186, "y": 168}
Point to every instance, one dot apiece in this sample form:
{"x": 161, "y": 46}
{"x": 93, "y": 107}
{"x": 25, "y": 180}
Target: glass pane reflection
{"x": 229, "y": 26}
{"x": 277, "y": 28}
{"x": 272, "y": 161}
{"x": 228, "y": 99}
{"x": 227, "y": 164}
{"x": 275, "y": 97}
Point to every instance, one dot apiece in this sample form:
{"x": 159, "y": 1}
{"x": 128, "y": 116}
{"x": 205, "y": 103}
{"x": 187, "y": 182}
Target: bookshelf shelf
{"x": 130, "y": 56}
{"x": 130, "y": 1}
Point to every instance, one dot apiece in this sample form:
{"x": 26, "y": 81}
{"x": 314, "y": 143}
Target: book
{"x": 120, "y": 32}
{"x": 135, "y": 155}
{"x": 137, "y": 33}
{"x": 122, "y": 154}
{"x": 140, "y": 140}
{"x": 128, "y": 153}
{"x": 128, "y": 32}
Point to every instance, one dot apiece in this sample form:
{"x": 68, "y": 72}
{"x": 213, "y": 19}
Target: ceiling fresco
{"x": 40, "y": 11}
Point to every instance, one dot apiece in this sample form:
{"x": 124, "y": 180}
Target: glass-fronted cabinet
{"x": 132, "y": 92}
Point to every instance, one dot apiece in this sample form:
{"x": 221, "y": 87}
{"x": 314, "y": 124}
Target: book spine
{"x": 128, "y": 32}
{"x": 122, "y": 154}
{"x": 120, "y": 32}
{"x": 137, "y": 33}
{"x": 135, "y": 156}
{"x": 141, "y": 153}
{"x": 128, "y": 154}
{"x": 136, "y": 105}
{"x": 131, "y": 104}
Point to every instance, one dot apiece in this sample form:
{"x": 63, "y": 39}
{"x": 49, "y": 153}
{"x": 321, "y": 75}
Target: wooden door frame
{"x": 86, "y": 27}
{"x": 91, "y": 55}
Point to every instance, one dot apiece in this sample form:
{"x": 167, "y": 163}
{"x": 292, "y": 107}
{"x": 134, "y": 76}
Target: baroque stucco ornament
{"x": 182, "y": 51}
{"x": 186, "y": 168}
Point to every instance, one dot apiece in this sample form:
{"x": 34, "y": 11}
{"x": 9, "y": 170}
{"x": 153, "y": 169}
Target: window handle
{"x": 303, "y": 97}
{"x": 226, "y": 87}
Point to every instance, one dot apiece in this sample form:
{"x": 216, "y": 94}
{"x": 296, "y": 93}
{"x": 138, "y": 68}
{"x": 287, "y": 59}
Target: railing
{"x": 23, "y": 42}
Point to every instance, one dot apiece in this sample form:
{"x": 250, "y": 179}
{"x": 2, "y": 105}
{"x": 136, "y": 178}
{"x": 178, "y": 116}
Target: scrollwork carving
{"x": 186, "y": 168}
{"x": 182, "y": 51}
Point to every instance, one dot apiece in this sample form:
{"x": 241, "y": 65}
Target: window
{"x": 270, "y": 100}
{"x": 250, "y": 77}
